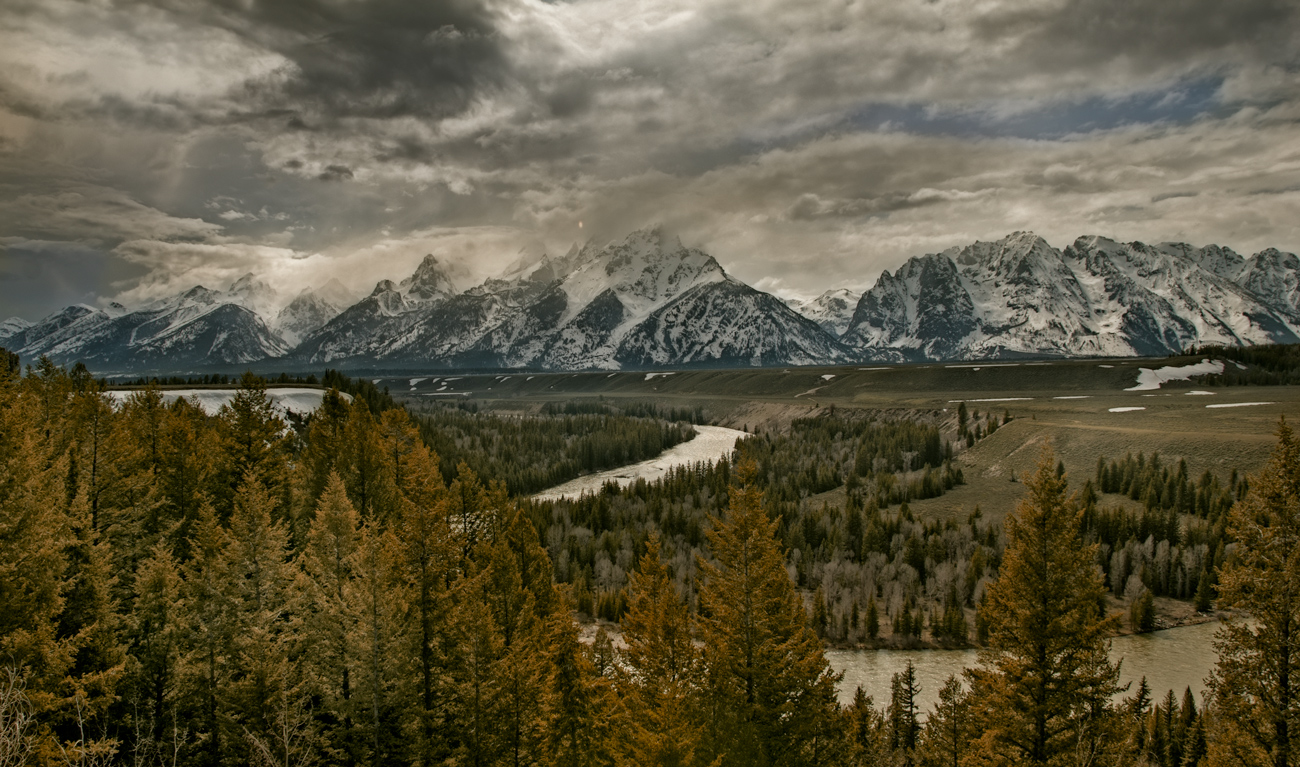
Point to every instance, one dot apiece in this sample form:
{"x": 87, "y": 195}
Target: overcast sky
{"x": 147, "y": 146}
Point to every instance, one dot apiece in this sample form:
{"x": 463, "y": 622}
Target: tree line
{"x": 869, "y": 556}
{"x": 190, "y": 589}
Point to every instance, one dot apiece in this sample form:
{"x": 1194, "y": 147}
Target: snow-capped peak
{"x": 832, "y": 310}
{"x": 253, "y": 294}
{"x": 429, "y": 283}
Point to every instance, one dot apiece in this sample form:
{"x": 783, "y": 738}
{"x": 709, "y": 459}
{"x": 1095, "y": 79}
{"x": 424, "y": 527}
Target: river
{"x": 1172, "y": 659}
{"x": 709, "y": 444}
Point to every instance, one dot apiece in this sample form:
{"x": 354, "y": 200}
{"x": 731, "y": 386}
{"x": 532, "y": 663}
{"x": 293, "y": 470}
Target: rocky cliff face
{"x": 1020, "y": 296}
{"x": 649, "y": 301}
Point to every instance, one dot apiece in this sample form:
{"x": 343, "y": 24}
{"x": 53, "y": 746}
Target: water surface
{"x": 709, "y": 444}
{"x": 1173, "y": 659}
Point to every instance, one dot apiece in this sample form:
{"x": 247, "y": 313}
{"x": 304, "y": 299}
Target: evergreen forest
{"x": 366, "y": 586}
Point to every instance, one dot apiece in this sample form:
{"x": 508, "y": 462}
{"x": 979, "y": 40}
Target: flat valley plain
{"x": 1065, "y": 402}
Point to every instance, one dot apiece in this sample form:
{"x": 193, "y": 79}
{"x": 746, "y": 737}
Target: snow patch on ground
{"x": 1152, "y": 379}
{"x": 994, "y": 399}
{"x": 1074, "y": 396}
{"x": 1239, "y": 404}
{"x": 1125, "y": 409}
{"x": 1198, "y": 393}
{"x": 710, "y": 444}
{"x": 651, "y": 376}
{"x": 828, "y": 376}
{"x": 415, "y": 381}
{"x": 1239, "y": 366}
{"x": 987, "y": 365}
{"x": 1108, "y": 367}
{"x": 875, "y": 368}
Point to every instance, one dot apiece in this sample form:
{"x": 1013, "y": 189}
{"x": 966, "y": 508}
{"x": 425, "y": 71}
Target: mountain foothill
{"x": 648, "y": 302}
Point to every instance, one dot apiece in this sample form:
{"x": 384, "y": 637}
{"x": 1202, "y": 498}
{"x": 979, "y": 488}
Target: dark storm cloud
{"x": 38, "y": 277}
{"x": 791, "y": 139}
{"x": 377, "y": 59}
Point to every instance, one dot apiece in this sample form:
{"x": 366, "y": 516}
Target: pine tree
{"x": 864, "y": 732}
{"x": 1253, "y": 686}
{"x": 873, "y": 618}
{"x": 379, "y": 631}
{"x": 580, "y": 701}
{"x": 261, "y": 595}
{"x": 154, "y": 633}
{"x": 368, "y": 479}
{"x": 661, "y": 689}
{"x": 766, "y": 669}
{"x": 515, "y": 584}
{"x": 948, "y": 731}
{"x": 207, "y": 636}
{"x": 91, "y": 620}
{"x": 1142, "y": 613}
{"x": 189, "y": 456}
{"x": 254, "y": 442}
{"x": 327, "y": 562}
{"x": 35, "y": 536}
{"x": 477, "y": 706}
{"x": 1045, "y": 678}
{"x": 429, "y": 564}
{"x": 904, "y": 730}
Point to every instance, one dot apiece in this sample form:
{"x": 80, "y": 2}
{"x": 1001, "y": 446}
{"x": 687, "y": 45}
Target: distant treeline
{"x": 532, "y": 453}
{"x": 1266, "y": 365}
{"x": 377, "y": 399}
{"x": 859, "y": 558}
{"x": 1176, "y": 544}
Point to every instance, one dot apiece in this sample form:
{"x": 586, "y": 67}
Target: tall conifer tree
{"x": 773, "y": 692}
{"x": 1256, "y": 684}
{"x": 1045, "y": 679}
{"x": 327, "y": 562}
{"x": 661, "y": 689}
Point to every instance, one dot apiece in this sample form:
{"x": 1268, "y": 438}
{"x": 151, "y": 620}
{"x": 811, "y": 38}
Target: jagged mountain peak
{"x": 383, "y": 286}
{"x": 832, "y": 310}
{"x": 430, "y": 282}
{"x": 1020, "y": 295}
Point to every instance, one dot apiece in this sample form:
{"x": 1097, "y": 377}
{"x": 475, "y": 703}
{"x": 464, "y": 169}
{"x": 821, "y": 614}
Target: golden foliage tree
{"x": 1041, "y": 692}
{"x": 1255, "y": 687}
{"x": 773, "y": 693}
{"x": 661, "y": 689}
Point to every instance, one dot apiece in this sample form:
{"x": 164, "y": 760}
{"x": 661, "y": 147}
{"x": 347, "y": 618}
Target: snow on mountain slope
{"x": 428, "y": 284}
{"x": 727, "y": 323}
{"x": 1020, "y": 296}
{"x": 1274, "y": 276}
{"x": 255, "y": 295}
{"x": 11, "y": 330}
{"x": 920, "y": 311}
{"x": 649, "y": 301}
{"x": 567, "y": 312}
{"x": 195, "y": 327}
{"x": 307, "y": 312}
{"x": 832, "y": 310}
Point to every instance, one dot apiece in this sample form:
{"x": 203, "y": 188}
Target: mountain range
{"x": 648, "y": 302}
